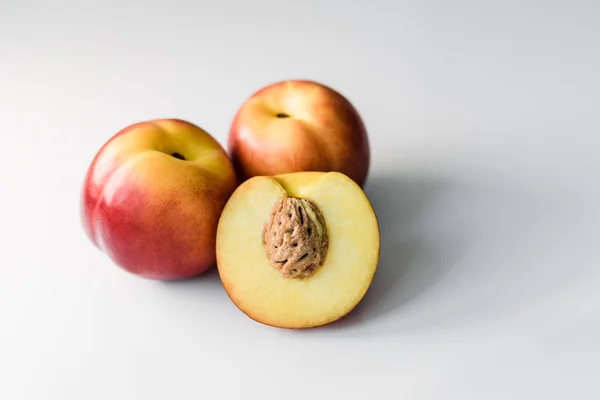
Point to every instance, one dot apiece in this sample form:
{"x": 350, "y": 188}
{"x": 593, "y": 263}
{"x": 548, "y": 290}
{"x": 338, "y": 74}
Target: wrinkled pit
{"x": 295, "y": 237}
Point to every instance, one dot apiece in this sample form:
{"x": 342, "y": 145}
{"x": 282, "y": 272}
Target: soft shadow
{"x": 210, "y": 275}
{"x": 470, "y": 252}
{"x": 208, "y": 282}
{"x": 410, "y": 260}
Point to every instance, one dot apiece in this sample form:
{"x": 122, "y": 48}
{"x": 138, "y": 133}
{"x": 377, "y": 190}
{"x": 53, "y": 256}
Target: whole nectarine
{"x": 297, "y": 126}
{"x": 153, "y": 195}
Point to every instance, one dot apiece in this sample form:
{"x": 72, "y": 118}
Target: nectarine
{"x": 297, "y": 250}
{"x": 298, "y": 126}
{"x": 152, "y": 198}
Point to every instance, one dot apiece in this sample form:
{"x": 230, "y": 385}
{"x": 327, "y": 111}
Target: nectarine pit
{"x": 295, "y": 237}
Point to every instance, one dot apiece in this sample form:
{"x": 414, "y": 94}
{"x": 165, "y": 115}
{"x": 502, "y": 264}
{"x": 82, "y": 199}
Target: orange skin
{"x": 297, "y": 126}
{"x": 153, "y": 214}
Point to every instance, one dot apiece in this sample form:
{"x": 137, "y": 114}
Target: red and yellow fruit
{"x": 297, "y": 126}
{"x": 152, "y": 198}
{"x": 297, "y": 250}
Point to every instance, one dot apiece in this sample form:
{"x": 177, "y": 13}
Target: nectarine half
{"x": 297, "y": 250}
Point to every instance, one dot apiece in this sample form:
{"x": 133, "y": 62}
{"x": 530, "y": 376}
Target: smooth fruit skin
{"x": 153, "y": 213}
{"x": 296, "y": 126}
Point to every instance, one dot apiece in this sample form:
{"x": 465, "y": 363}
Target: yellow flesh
{"x": 259, "y": 290}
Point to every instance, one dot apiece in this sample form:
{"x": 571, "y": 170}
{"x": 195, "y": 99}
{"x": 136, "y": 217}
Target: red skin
{"x": 152, "y": 214}
{"x": 324, "y": 132}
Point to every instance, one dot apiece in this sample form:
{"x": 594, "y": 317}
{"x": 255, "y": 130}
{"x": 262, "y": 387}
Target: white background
{"x": 484, "y": 125}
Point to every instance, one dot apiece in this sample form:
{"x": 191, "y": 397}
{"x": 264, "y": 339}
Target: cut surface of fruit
{"x": 338, "y": 276}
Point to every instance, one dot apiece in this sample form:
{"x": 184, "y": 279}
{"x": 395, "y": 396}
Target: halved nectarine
{"x": 297, "y": 250}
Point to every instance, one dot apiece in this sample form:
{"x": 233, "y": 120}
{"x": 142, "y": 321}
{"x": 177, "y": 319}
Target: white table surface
{"x": 485, "y": 130}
